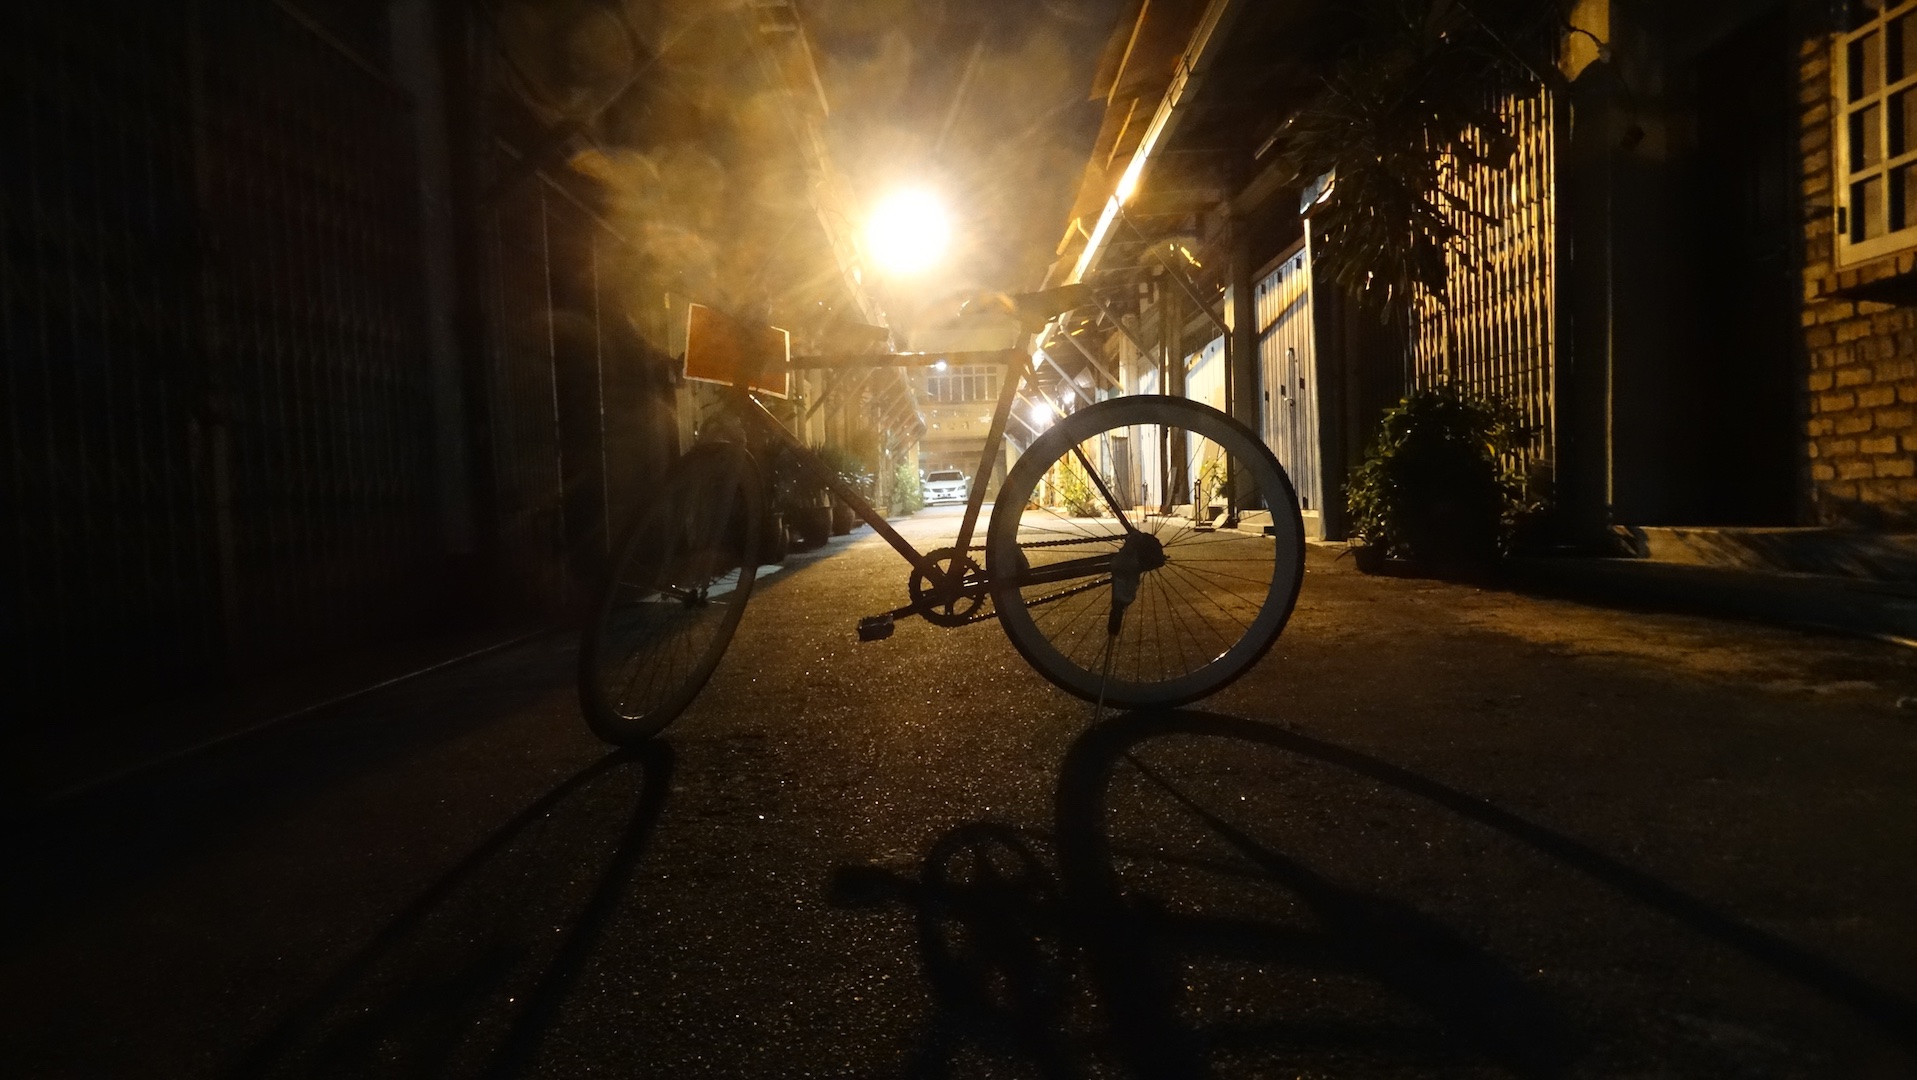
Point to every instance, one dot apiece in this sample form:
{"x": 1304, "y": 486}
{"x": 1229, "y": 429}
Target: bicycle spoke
{"x": 1226, "y": 616}
{"x": 1075, "y": 620}
{"x": 668, "y": 612}
{"x": 1204, "y": 576}
{"x": 1222, "y": 578}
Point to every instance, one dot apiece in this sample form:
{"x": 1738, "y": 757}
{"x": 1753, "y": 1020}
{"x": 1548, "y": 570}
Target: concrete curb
{"x": 1873, "y": 608}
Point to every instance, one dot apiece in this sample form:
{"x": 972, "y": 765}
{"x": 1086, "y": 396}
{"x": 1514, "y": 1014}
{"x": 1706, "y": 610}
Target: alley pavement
{"x": 1439, "y": 831}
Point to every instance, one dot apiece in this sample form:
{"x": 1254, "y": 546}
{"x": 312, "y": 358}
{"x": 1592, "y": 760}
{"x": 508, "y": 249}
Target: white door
{"x": 1288, "y": 366}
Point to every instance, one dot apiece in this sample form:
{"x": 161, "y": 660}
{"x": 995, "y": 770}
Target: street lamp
{"x": 908, "y": 231}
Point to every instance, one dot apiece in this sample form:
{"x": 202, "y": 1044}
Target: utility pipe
{"x": 1187, "y": 77}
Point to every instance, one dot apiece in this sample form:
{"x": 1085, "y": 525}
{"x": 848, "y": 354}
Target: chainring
{"x": 967, "y": 606}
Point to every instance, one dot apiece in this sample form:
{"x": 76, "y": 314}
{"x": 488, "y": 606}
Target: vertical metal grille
{"x": 217, "y": 406}
{"x": 1495, "y": 330}
{"x": 106, "y": 550}
{"x": 320, "y": 366}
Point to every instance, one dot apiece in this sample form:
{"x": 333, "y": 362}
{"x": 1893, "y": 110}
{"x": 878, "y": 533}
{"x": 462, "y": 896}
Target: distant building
{"x": 957, "y": 403}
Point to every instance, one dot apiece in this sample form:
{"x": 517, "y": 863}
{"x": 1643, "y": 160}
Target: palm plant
{"x": 1406, "y": 112}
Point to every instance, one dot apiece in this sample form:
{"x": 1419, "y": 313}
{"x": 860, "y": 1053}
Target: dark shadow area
{"x": 63, "y": 857}
{"x": 1036, "y": 948}
{"x": 468, "y": 978}
{"x": 62, "y": 743}
{"x": 994, "y": 943}
{"x": 1834, "y": 552}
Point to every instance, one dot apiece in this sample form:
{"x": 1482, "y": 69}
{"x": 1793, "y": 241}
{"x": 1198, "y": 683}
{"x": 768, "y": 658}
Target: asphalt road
{"x": 1439, "y": 832}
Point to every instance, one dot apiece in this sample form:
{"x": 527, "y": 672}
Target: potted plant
{"x": 907, "y": 496}
{"x": 1208, "y": 487}
{"x": 800, "y": 500}
{"x": 1076, "y": 493}
{"x": 852, "y": 471}
{"x": 1440, "y": 486}
{"x": 775, "y": 542}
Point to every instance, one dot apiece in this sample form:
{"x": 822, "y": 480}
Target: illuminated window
{"x": 1874, "y": 77}
{"x": 956, "y": 386}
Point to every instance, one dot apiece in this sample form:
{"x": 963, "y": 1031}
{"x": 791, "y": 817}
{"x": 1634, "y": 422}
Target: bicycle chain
{"x": 1048, "y": 598}
{"x": 1074, "y": 590}
{"x": 1067, "y": 542}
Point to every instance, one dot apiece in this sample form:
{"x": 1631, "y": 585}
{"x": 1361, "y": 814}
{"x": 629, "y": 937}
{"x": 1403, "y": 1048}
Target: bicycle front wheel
{"x": 679, "y": 581}
{"x": 1160, "y": 518}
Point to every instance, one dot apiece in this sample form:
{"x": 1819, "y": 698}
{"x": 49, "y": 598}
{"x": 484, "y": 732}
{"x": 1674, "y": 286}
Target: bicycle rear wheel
{"x": 679, "y": 581}
{"x": 1166, "y": 511}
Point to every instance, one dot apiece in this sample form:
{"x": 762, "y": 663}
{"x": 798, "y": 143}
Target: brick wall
{"x": 1861, "y": 346}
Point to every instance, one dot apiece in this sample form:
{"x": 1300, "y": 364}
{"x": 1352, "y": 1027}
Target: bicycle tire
{"x": 1202, "y": 618}
{"x": 673, "y": 595}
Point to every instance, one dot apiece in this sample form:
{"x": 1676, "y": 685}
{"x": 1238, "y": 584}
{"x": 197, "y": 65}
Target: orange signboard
{"x": 722, "y": 349}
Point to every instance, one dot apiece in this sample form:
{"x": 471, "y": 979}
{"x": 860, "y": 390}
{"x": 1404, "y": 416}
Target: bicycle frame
{"x": 677, "y": 644}
{"x": 1020, "y": 370}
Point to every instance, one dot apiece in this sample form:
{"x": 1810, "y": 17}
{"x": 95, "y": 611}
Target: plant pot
{"x": 1369, "y": 558}
{"x": 814, "y": 526}
{"x": 774, "y": 541}
{"x": 843, "y": 518}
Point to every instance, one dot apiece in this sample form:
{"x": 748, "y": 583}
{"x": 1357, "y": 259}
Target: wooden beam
{"x": 1118, "y": 324}
{"x": 920, "y": 359}
{"x": 1090, "y": 398}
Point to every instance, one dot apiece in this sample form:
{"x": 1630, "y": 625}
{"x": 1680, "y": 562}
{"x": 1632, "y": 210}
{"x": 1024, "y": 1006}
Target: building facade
{"x": 329, "y": 326}
{"x": 1857, "y": 144}
{"x": 957, "y": 403}
{"x": 1693, "y": 277}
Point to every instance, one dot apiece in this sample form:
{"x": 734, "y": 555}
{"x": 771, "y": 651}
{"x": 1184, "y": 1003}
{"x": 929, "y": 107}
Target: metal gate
{"x": 326, "y": 504}
{"x": 220, "y": 427}
{"x": 1495, "y": 329}
{"x": 1205, "y": 374}
{"x": 1287, "y": 359}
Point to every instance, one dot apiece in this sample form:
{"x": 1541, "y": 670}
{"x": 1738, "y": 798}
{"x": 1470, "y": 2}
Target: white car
{"x": 946, "y": 485}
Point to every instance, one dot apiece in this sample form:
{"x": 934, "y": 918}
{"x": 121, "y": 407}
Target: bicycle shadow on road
{"x": 468, "y": 978}
{"x": 1087, "y": 960}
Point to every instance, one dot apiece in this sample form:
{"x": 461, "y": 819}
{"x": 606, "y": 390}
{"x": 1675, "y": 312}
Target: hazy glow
{"x": 1128, "y": 182}
{"x": 908, "y": 231}
{"x": 1042, "y": 414}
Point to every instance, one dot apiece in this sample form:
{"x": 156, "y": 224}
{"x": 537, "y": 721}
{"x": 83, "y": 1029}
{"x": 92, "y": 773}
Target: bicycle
{"x": 1143, "y": 551}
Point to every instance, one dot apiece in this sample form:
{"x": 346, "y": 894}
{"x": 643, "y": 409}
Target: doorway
{"x": 1741, "y": 390}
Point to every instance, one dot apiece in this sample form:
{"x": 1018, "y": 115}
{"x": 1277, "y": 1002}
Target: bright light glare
{"x": 1128, "y": 182}
{"x": 908, "y": 231}
{"x": 1042, "y": 414}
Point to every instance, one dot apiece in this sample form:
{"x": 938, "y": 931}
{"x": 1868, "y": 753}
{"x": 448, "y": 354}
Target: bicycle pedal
{"x": 875, "y": 627}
